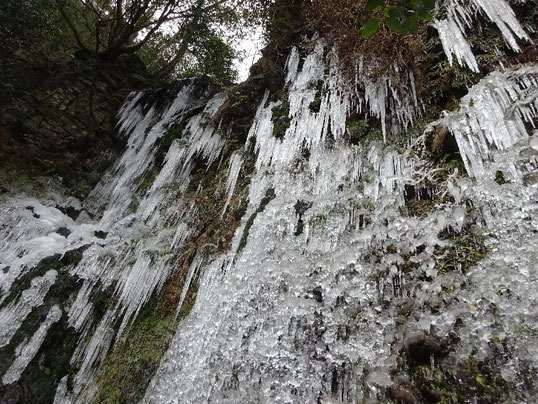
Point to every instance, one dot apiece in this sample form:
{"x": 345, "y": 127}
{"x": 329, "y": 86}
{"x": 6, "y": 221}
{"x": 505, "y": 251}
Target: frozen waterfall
{"x": 332, "y": 274}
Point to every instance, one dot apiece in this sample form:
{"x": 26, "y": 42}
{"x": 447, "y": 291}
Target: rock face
{"x": 62, "y": 125}
{"x": 288, "y": 240}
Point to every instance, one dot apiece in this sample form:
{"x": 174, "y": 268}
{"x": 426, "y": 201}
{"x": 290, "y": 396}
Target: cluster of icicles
{"x": 251, "y": 336}
{"x": 460, "y": 17}
{"x": 297, "y": 315}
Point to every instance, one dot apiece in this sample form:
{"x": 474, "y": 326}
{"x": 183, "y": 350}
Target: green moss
{"x": 315, "y": 105}
{"x": 499, "y": 177}
{"x": 369, "y": 204}
{"x": 357, "y": 128}
{"x": 174, "y": 131}
{"x": 134, "y": 360}
{"x": 461, "y": 382}
{"x": 318, "y": 220}
{"x": 465, "y": 251}
{"x": 453, "y": 164}
{"x": 19, "y": 177}
{"x": 281, "y": 119}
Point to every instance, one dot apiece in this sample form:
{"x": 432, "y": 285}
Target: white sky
{"x": 249, "y": 49}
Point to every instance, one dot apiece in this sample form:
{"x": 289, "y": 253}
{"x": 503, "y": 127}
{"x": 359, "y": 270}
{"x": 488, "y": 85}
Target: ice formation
{"x": 308, "y": 316}
{"x": 12, "y": 316}
{"x": 305, "y": 305}
{"x": 459, "y": 19}
{"x": 493, "y": 116}
{"x": 236, "y": 161}
{"x": 27, "y": 350}
{"x": 129, "y": 249}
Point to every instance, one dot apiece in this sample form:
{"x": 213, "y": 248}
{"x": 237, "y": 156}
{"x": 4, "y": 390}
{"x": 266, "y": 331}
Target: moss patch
{"x": 315, "y": 105}
{"x": 39, "y": 380}
{"x": 499, "y": 177}
{"x": 281, "y": 119}
{"x": 135, "y": 359}
{"x": 174, "y": 131}
{"x": 466, "y": 250}
{"x": 464, "y": 382}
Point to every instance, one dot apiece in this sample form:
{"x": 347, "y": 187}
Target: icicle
{"x": 307, "y": 129}
{"x": 201, "y": 138}
{"x": 116, "y": 191}
{"x": 454, "y": 43}
{"x": 492, "y": 116}
{"x": 12, "y": 316}
{"x": 28, "y": 349}
{"x": 292, "y": 65}
{"x": 460, "y": 17}
{"x": 193, "y": 270}
{"x": 500, "y": 12}
{"x": 236, "y": 161}
{"x": 182, "y": 233}
{"x": 137, "y": 284}
{"x": 94, "y": 353}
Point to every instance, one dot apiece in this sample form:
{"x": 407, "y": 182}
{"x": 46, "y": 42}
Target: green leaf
{"x": 422, "y": 9}
{"x": 388, "y": 10}
{"x": 372, "y": 5}
{"x": 397, "y": 11}
{"x": 411, "y": 24}
{"x": 426, "y": 5}
{"x": 370, "y": 28}
{"x": 396, "y": 17}
{"x": 396, "y": 24}
{"x": 429, "y": 4}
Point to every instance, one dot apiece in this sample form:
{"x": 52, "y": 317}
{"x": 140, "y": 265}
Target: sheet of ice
{"x": 28, "y": 229}
{"x": 309, "y": 313}
{"x": 267, "y": 323}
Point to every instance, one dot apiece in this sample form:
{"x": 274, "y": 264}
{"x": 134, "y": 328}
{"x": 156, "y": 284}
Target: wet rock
{"x": 420, "y": 347}
{"x": 317, "y": 293}
{"x": 70, "y": 211}
{"x": 403, "y": 394}
{"x": 443, "y": 144}
{"x": 528, "y": 153}
{"x": 530, "y": 179}
{"x": 100, "y": 234}
{"x": 63, "y": 231}
{"x": 31, "y": 209}
{"x": 300, "y": 208}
